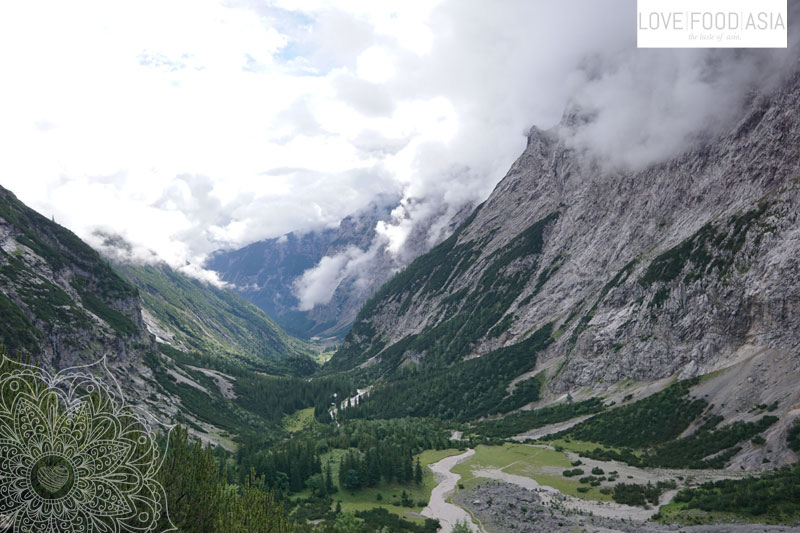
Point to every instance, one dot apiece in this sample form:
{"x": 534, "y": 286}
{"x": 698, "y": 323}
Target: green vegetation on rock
{"x": 464, "y": 391}
{"x": 773, "y": 497}
{"x": 653, "y": 426}
{"x": 16, "y": 330}
{"x": 706, "y": 448}
{"x": 793, "y": 436}
{"x": 658, "y": 418}
{"x": 522, "y": 421}
{"x": 478, "y": 313}
{"x": 711, "y": 247}
{"x": 211, "y": 320}
{"x": 53, "y": 281}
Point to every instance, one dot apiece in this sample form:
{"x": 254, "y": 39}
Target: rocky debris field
{"x": 502, "y": 507}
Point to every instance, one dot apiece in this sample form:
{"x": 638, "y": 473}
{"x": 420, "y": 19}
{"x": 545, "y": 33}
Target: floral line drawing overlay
{"x": 73, "y": 456}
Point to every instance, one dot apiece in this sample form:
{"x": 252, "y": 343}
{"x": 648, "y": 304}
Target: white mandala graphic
{"x": 73, "y": 456}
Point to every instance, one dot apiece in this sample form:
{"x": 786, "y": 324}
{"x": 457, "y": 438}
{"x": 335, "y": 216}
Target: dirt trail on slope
{"x": 538, "y": 433}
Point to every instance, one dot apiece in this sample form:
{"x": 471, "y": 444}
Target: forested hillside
{"x": 197, "y": 316}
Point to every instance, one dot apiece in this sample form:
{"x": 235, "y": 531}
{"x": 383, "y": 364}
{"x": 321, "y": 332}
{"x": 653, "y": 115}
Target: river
{"x": 438, "y": 508}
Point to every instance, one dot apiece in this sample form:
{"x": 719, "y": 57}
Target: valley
{"x": 423, "y": 446}
{"x": 590, "y": 349}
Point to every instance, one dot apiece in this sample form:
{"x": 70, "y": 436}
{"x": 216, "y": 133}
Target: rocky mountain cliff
{"x": 62, "y": 304}
{"x": 682, "y": 268}
{"x": 60, "y": 299}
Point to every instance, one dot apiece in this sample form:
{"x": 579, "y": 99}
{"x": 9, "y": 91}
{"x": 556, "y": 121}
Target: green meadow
{"x": 544, "y": 465}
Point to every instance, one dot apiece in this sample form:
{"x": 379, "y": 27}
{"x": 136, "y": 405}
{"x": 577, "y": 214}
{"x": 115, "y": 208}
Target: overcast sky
{"x": 192, "y": 125}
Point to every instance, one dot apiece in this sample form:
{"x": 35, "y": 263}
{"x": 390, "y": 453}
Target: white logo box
{"x": 712, "y": 23}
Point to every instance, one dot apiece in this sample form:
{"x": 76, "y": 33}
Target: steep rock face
{"x": 642, "y": 273}
{"x": 263, "y": 271}
{"x": 62, "y": 305}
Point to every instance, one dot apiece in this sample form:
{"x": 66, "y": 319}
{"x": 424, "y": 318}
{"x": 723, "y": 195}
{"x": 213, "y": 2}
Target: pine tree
{"x": 351, "y": 480}
{"x": 373, "y": 468}
{"x": 408, "y": 469}
{"x": 348, "y": 523}
{"x": 330, "y": 488}
{"x": 342, "y": 471}
{"x": 405, "y": 501}
{"x": 417, "y": 472}
{"x": 295, "y": 478}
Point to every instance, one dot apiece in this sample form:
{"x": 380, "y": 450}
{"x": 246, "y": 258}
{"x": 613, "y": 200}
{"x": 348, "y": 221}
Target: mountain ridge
{"x": 64, "y": 304}
{"x": 58, "y": 282}
{"x": 677, "y": 269}
{"x": 200, "y": 317}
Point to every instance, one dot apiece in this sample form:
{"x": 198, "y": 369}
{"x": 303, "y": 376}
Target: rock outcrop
{"x": 670, "y": 270}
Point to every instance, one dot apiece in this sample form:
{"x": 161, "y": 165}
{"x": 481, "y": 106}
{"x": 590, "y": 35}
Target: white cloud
{"x": 190, "y": 125}
{"x": 638, "y": 119}
{"x": 370, "y": 99}
{"x": 318, "y": 285}
{"x": 375, "y": 65}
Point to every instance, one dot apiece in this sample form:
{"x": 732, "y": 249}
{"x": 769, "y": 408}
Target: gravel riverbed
{"x": 506, "y": 508}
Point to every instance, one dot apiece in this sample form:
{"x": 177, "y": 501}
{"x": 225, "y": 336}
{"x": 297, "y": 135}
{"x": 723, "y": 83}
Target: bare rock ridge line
{"x": 676, "y": 269}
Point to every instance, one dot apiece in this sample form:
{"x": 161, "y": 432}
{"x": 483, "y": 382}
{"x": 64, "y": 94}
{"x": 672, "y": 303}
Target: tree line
{"x": 387, "y": 463}
{"x": 378, "y": 450}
